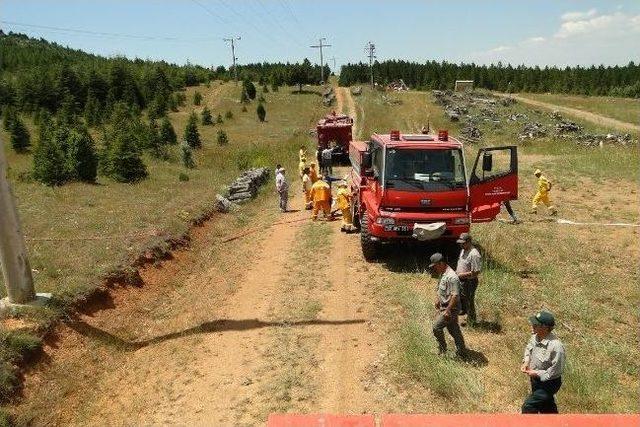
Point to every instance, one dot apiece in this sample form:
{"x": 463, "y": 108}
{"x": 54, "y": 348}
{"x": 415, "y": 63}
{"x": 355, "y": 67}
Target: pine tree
{"x": 81, "y": 156}
{"x": 197, "y": 98}
{"x": 186, "y": 154}
{"x": 262, "y": 113}
{"x": 20, "y": 138}
{"x": 92, "y": 113}
{"x": 249, "y": 88}
{"x": 157, "y": 147}
{"x": 191, "y": 134}
{"x": 167, "y": 133}
{"x": 48, "y": 157}
{"x": 207, "y": 119}
{"x": 125, "y": 159}
{"x": 222, "y": 137}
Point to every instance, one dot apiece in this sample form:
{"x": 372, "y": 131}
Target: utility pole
{"x": 233, "y": 56}
{"x": 320, "y": 45}
{"x": 371, "y": 49}
{"x": 13, "y": 253}
{"x": 334, "y": 63}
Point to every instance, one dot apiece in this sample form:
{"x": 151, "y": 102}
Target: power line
{"x": 277, "y": 22}
{"x": 102, "y": 34}
{"x": 210, "y": 12}
{"x": 320, "y": 45}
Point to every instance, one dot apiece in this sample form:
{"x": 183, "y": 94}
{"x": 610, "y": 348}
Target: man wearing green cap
{"x": 447, "y": 303}
{"x": 543, "y": 362}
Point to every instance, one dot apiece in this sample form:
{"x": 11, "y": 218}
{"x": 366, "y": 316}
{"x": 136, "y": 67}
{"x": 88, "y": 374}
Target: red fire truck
{"x": 417, "y": 187}
{"x": 334, "y": 131}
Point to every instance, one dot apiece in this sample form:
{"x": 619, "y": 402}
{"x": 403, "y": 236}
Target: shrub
{"x": 244, "y": 109}
{"x": 9, "y": 115}
{"x": 48, "y": 157}
{"x": 244, "y": 98}
{"x": 183, "y": 177}
{"x": 191, "y": 134}
{"x": 81, "y": 156}
{"x": 207, "y": 119}
{"x": 20, "y": 139}
{"x": 223, "y": 139}
{"x": 249, "y": 88}
{"x": 186, "y": 155}
{"x": 274, "y": 87}
{"x": 219, "y": 119}
{"x": 228, "y": 115}
{"x": 265, "y": 89}
{"x": 197, "y": 98}
{"x": 262, "y": 113}
{"x": 125, "y": 160}
{"x": 167, "y": 133}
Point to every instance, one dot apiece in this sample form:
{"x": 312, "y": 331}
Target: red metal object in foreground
{"x": 320, "y": 420}
{"x": 455, "y": 420}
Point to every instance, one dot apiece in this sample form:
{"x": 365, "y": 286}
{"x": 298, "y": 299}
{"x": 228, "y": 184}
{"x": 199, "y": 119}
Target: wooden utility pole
{"x": 371, "y": 50}
{"x": 13, "y": 253}
{"x": 320, "y": 45}
{"x": 233, "y": 56}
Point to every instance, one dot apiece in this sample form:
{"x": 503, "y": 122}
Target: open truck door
{"x": 494, "y": 179}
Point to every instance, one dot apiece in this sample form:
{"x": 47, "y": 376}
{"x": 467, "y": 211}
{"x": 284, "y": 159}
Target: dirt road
{"x": 581, "y": 114}
{"x": 279, "y": 320}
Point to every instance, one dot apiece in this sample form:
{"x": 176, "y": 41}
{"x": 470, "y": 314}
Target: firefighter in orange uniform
{"x": 321, "y": 196}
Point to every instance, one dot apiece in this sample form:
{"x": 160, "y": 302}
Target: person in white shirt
{"x": 282, "y": 187}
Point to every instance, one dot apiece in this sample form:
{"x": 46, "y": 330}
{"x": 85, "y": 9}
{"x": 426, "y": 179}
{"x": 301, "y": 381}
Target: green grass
{"x": 623, "y": 109}
{"x": 77, "y": 232}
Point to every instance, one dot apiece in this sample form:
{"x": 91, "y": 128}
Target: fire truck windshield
{"x": 424, "y": 170}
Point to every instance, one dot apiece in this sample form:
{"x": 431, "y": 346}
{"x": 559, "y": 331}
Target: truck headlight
{"x": 383, "y": 220}
{"x": 460, "y": 221}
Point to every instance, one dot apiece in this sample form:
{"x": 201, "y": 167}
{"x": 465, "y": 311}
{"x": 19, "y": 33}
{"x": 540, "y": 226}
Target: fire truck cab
{"x": 417, "y": 187}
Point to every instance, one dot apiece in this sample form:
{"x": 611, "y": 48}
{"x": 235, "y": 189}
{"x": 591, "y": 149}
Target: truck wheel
{"x": 355, "y": 215}
{"x": 370, "y": 248}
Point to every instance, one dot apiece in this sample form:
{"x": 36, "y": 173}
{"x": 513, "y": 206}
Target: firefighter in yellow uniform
{"x": 321, "y": 196}
{"x": 542, "y": 196}
{"x": 306, "y": 189}
{"x": 302, "y": 154}
{"x": 302, "y": 165}
{"x": 343, "y": 202}
{"x": 313, "y": 173}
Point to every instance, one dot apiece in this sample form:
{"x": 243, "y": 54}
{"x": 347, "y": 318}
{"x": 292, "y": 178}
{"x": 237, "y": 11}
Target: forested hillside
{"x": 614, "y": 81}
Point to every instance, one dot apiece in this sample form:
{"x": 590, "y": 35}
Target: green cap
{"x": 542, "y": 318}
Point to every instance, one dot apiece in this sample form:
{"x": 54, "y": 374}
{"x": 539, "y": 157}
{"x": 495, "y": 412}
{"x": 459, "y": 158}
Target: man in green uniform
{"x": 543, "y": 362}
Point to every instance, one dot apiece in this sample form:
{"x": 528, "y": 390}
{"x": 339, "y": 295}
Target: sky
{"x": 533, "y": 32}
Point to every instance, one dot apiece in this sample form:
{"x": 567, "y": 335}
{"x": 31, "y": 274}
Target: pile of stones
{"x": 566, "y": 126}
{"x": 244, "y": 188}
{"x": 470, "y": 133}
{"x": 532, "y": 130}
{"x": 328, "y": 96}
{"x": 599, "y": 140}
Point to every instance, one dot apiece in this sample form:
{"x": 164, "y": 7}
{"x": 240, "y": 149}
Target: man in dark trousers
{"x": 543, "y": 362}
{"x": 468, "y": 269}
{"x": 447, "y": 304}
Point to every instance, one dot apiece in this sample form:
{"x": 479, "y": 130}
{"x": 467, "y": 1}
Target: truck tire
{"x": 355, "y": 215}
{"x": 370, "y": 249}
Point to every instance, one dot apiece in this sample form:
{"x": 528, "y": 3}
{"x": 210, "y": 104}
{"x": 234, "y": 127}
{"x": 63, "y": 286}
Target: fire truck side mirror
{"x": 366, "y": 160}
{"x": 487, "y": 162}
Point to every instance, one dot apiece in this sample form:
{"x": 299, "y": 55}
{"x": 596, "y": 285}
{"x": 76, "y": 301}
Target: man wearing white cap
{"x": 282, "y": 186}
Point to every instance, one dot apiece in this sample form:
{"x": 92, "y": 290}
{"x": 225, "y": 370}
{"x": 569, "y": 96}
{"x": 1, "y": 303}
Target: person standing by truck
{"x": 343, "y": 202}
{"x": 468, "y": 269}
{"x": 327, "y": 162}
{"x": 447, "y": 304}
{"x": 542, "y": 196}
{"x": 321, "y": 196}
{"x": 282, "y": 187}
{"x": 543, "y": 362}
{"x": 306, "y": 189}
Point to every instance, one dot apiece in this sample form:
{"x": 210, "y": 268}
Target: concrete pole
{"x": 13, "y": 253}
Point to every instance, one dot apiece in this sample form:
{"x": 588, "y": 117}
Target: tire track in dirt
{"x": 346, "y": 104}
{"x": 349, "y": 352}
{"x": 581, "y": 114}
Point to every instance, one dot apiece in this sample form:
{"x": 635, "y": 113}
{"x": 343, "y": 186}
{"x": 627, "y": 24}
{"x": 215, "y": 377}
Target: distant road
{"x": 582, "y": 114}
